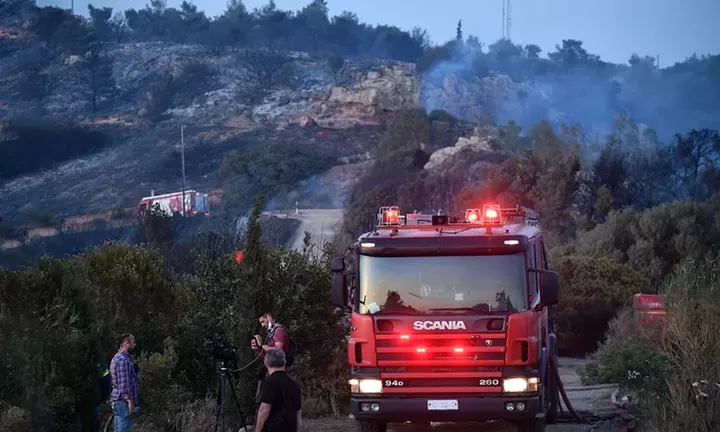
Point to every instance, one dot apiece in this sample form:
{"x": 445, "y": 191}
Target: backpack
{"x": 292, "y": 349}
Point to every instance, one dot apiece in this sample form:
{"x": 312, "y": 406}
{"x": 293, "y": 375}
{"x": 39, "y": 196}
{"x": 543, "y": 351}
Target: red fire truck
{"x": 450, "y": 319}
{"x": 171, "y": 203}
{"x": 649, "y": 309}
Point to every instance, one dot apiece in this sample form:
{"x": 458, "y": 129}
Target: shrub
{"x": 269, "y": 168}
{"x": 593, "y": 290}
{"x": 14, "y": 419}
{"x": 656, "y": 240}
{"x": 58, "y": 315}
{"x": 627, "y": 358}
{"x": 689, "y": 341}
{"x": 673, "y": 377}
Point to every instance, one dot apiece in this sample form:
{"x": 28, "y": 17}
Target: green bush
{"x": 58, "y": 315}
{"x": 627, "y": 358}
{"x": 689, "y": 340}
{"x": 593, "y": 290}
{"x": 268, "y": 168}
{"x": 656, "y": 240}
{"x": 664, "y": 371}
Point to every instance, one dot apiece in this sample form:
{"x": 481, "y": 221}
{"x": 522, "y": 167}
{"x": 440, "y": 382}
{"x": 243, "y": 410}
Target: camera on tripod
{"x": 222, "y": 352}
{"x": 225, "y": 356}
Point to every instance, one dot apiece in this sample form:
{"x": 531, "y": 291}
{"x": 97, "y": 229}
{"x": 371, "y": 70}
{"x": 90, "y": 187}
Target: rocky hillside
{"x": 214, "y": 96}
{"x": 134, "y": 90}
{"x": 311, "y": 110}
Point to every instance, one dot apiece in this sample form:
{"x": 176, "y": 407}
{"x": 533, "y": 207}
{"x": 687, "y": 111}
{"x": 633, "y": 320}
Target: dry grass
{"x": 196, "y": 416}
{"x": 690, "y": 342}
{"x": 14, "y": 419}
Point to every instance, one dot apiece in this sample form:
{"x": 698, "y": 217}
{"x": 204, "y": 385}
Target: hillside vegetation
{"x": 135, "y": 75}
{"x": 622, "y": 162}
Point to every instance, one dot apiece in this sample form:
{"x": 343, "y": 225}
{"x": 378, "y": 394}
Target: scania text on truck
{"x": 451, "y": 319}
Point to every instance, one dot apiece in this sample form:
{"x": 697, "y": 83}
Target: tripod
{"x": 225, "y": 375}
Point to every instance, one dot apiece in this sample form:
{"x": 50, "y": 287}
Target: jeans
{"x": 122, "y": 417}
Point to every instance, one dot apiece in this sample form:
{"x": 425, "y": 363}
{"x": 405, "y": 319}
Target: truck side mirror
{"x": 338, "y": 283}
{"x": 549, "y": 288}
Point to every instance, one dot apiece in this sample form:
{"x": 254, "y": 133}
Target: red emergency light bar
{"x": 490, "y": 215}
{"x": 389, "y": 216}
{"x": 472, "y": 216}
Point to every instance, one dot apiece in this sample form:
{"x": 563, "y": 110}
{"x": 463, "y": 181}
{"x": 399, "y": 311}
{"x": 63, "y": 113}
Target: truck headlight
{"x": 520, "y": 385}
{"x": 365, "y": 386}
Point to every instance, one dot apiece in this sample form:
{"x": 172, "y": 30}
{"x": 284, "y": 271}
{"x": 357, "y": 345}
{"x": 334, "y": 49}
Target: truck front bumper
{"x": 416, "y": 409}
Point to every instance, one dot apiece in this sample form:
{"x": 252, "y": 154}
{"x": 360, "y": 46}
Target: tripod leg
{"x": 237, "y": 402}
{"x": 222, "y": 385}
{"x": 217, "y": 417}
{"x": 220, "y": 414}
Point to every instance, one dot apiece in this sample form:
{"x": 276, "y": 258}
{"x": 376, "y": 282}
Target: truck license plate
{"x": 442, "y": 405}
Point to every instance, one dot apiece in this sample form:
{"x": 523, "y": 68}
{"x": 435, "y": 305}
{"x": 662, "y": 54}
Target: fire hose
{"x": 586, "y": 418}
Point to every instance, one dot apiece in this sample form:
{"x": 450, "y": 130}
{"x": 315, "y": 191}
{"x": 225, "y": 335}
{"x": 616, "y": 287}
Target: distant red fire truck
{"x": 648, "y": 309}
{"x": 171, "y": 203}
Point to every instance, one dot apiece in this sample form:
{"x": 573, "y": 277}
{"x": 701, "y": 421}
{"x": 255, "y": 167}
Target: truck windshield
{"x": 442, "y": 284}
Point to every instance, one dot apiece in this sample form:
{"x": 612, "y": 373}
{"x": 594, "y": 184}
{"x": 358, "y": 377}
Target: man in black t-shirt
{"x": 280, "y": 397}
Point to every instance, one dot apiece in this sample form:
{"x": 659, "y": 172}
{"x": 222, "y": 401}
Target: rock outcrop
{"x": 484, "y": 145}
{"x": 468, "y": 98}
{"x": 383, "y": 89}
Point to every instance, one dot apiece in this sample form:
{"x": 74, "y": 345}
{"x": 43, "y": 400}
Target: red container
{"x": 648, "y": 308}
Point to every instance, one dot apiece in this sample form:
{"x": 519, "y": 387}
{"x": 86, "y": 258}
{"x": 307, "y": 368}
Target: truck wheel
{"x": 367, "y": 426}
{"x": 535, "y": 425}
{"x": 552, "y": 397}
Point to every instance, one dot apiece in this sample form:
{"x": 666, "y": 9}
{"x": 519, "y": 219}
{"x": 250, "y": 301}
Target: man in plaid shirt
{"x": 126, "y": 386}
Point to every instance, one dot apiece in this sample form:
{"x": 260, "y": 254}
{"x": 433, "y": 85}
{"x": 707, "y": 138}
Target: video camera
{"x": 222, "y": 352}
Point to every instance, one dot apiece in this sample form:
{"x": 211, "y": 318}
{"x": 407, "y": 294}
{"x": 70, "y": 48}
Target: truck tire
{"x": 552, "y": 396}
{"x": 535, "y": 425}
{"x": 368, "y": 426}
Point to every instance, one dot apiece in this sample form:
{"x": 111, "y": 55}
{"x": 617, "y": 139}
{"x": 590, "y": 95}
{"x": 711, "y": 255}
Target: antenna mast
{"x": 508, "y": 19}
{"x": 504, "y": 14}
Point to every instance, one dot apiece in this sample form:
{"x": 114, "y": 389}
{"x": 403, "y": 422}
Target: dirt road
{"x": 320, "y": 223}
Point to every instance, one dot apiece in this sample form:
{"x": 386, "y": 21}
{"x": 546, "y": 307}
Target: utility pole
{"x": 182, "y": 162}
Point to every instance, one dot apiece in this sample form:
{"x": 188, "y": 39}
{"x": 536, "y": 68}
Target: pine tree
{"x": 459, "y": 36}
{"x": 254, "y": 246}
{"x": 99, "y": 74}
{"x": 257, "y": 260}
